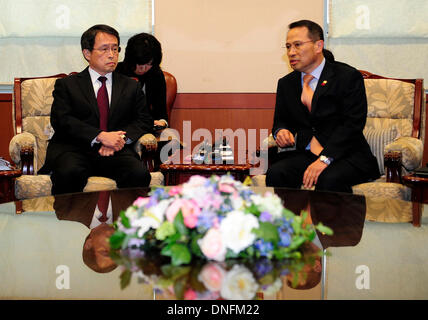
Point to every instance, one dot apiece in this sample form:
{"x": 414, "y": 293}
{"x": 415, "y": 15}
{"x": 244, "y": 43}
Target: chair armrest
{"x": 146, "y": 142}
{"x": 21, "y": 150}
{"x": 269, "y": 142}
{"x": 411, "y": 150}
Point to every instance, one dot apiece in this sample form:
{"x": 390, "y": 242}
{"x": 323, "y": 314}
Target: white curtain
{"x": 42, "y": 37}
{"x": 389, "y": 38}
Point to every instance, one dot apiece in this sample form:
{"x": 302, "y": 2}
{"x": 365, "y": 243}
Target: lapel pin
{"x": 324, "y": 83}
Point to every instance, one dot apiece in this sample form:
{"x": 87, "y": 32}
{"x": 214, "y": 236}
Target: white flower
{"x": 239, "y": 284}
{"x": 270, "y": 203}
{"x": 237, "y": 202}
{"x": 157, "y": 212}
{"x": 131, "y": 213}
{"x": 236, "y": 229}
{"x": 144, "y": 224}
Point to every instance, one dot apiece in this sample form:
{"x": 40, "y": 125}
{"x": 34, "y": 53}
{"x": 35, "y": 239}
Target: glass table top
{"x": 375, "y": 252}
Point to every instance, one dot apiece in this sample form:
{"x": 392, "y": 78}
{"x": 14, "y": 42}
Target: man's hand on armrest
{"x": 114, "y": 140}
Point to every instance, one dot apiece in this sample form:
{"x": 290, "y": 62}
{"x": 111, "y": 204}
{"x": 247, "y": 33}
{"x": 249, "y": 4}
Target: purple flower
{"x": 284, "y": 236}
{"x": 205, "y": 219}
{"x": 263, "y": 247}
{"x": 266, "y": 217}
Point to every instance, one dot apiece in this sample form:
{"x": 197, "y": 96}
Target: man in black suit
{"x": 97, "y": 116}
{"x": 321, "y": 110}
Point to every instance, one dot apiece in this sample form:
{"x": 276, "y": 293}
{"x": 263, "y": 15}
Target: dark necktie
{"x": 103, "y": 200}
{"x": 102, "y": 100}
{"x": 307, "y": 92}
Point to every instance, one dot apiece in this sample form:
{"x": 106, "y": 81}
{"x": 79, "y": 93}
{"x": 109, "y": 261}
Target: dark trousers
{"x": 288, "y": 172}
{"x": 71, "y": 170}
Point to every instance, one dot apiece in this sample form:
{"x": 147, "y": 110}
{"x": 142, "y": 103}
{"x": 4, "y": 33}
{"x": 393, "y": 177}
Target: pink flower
{"x": 189, "y": 209}
{"x": 212, "y": 276}
{"x": 212, "y": 245}
{"x": 190, "y": 295}
{"x": 226, "y": 188}
{"x": 141, "y": 202}
{"x": 175, "y": 190}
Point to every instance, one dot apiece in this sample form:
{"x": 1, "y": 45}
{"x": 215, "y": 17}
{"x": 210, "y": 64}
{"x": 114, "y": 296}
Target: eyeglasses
{"x": 297, "y": 45}
{"x": 105, "y": 49}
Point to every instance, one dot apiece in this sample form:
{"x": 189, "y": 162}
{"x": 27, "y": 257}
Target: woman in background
{"x": 143, "y": 56}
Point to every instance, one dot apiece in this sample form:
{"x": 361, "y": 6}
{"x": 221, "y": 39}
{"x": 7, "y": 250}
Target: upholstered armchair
{"x": 395, "y": 131}
{"x": 32, "y": 100}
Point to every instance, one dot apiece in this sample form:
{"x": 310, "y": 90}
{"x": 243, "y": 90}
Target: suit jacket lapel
{"x": 297, "y": 83}
{"x": 326, "y": 76}
{"x": 87, "y": 88}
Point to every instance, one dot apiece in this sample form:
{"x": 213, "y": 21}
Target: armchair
{"x": 32, "y": 100}
{"x": 395, "y": 131}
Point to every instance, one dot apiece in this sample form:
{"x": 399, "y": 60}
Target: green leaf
{"x": 194, "y": 246}
{"x": 180, "y": 254}
{"x": 125, "y": 278}
{"x": 125, "y": 220}
{"x": 324, "y": 229}
{"x": 267, "y": 231}
{"x": 116, "y": 239}
{"x": 297, "y": 242}
{"x": 297, "y": 224}
{"x": 173, "y": 238}
{"x": 179, "y": 224}
{"x": 165, "y": 230}
{"x": 253, "y": 210}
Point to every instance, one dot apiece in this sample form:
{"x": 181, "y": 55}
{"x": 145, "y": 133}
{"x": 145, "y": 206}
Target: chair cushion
{"x": 381, "y": 189}
{"x": 99, "y": 183}
{"x": 28, "y": 186}
{"x": 259, "y": 180}
{"x": 377, "y": 140}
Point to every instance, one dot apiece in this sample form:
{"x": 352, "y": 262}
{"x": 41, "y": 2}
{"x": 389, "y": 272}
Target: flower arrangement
{"x": 216, "y": 218}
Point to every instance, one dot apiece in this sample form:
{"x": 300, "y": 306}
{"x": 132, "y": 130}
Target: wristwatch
{"x": 326, "y": 160}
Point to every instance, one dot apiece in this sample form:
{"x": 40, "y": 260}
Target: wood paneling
{"x": 223, "y": 111}
{"x": 6, "y": 124}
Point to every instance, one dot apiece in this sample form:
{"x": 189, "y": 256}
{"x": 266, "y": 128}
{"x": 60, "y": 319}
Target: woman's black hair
{"x": 142, "y": 48}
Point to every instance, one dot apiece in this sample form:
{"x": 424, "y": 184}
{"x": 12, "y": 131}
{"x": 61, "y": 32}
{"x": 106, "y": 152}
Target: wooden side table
{"x": 419, "y": 186}
{"x": 7, "y": 184}
{"x": 179, "y": 173}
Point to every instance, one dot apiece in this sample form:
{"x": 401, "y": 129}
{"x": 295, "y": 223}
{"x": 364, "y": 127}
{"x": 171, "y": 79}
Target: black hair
{"x": 141, "y": 49}
{"x": 315, "y": 33}
{"x": 87, "y": 40}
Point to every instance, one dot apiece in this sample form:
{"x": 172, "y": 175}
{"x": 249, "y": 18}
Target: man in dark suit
{"x": 321, "y": 110}
{"x": 97, "y": 116}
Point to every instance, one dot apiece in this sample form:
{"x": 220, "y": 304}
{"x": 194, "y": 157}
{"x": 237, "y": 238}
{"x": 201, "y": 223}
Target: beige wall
{"x": 228, "y": 45}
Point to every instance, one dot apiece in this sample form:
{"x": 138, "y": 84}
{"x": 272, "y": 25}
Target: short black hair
{"x": 87, "y": 40}
{"x": 141, "y": 49}
{"x": 315, "y": 31}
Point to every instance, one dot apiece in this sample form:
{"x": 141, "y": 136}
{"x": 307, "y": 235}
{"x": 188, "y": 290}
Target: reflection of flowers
{"x": 239, "y": 284}
{"x": 231, "y": 279}
{"x": 215, "y": 219}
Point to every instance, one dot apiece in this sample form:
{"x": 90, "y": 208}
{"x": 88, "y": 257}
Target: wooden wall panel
{"x": 223, "y": 111}
{"x": 6, "y": 124}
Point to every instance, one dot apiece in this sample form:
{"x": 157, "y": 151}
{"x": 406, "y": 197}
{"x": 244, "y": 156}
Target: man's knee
{"x": 68, "y": 179}
{"x": 139, "y": 177}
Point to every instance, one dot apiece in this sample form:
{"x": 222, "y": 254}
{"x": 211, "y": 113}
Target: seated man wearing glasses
{"x": 97, "y": 115}
{"x": 320, "y": 112}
